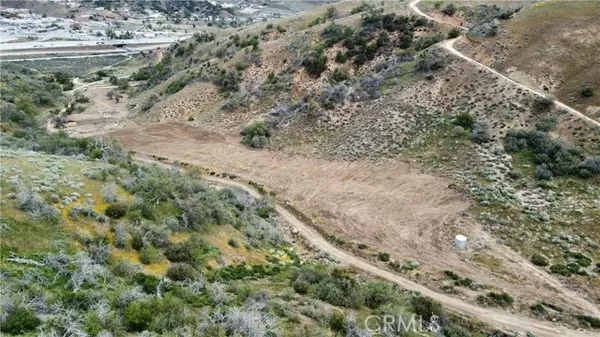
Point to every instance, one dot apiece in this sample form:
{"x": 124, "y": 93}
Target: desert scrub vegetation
{"x": 552, "y": 157}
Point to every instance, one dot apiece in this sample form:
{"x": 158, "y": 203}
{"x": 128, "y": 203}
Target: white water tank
{"x": 460, "y": 241}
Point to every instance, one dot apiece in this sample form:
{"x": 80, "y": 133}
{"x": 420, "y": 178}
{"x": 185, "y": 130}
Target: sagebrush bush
{"x": 429, "y": 61}
{"x": 481, "y": 132}
{"x": 546, "y": 124}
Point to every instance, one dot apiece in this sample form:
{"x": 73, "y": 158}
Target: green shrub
{"x": 341, "y": 57}
{"x": 450, "y": 9}
{"x": 338, "y": 323}
{"x": 339, "y": 75}
{"x": 464, "y": 282}
{"x": 426, "y": 307}
{"x": 335, "y": 33}
{"x": 256, "y": 135}
{"x": 539, "y": 260}
{"x": 385, "y": 257}
{"x": 466, "y": 120}
{"x": 241, "y": 65}
{"x": 552, "y": 157}
{"x": 93, "y": 324}
{"x": 453, "y": 33}
{"x": 361, "y": 8}
{"x": 150, "y": 255}
{"x": 175, "y": 86}
{"x": 227, "y": 81}
{"x": 514, "y": 174}
{"x": 138, "y": 316}
{"x": 593, "y": 322}
{"x": 542, "y": 104}
{"x": 192, "y": 251}
{"x": 315, "y": 62}
{"x": 116, "y": 211}
{"x": 493, "y": 298}
{"x": 181, "y": 272}
{"x": 582, "y": 259}
{"x": 587, "y": 92}
{"x": 233, "y": 243}
{"x": 560, "y": 269}
{"x": 377, "y": 294}
{"x": 148, "y": 283}
{"x": 340, "y": 289}
{"x": 546, "y": 124}
{"x": 452, "y": 275}
{"x": 317, "y": 21}
{"x": 429, "y": 61}
{"x": 20, "y": 321}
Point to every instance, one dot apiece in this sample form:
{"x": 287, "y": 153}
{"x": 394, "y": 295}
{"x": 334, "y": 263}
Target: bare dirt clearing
{"x": 387, "y": 205}
{"x": 101, "y": 115}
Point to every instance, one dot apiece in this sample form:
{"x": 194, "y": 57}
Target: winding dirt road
{"x": 449, "y": 45}
{"x": 494, "y": 317}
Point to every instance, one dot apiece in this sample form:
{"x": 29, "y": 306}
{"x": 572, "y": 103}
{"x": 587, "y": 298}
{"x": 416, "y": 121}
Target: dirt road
{"x": 494, "y": 317}
{"x": 449, "y": 45}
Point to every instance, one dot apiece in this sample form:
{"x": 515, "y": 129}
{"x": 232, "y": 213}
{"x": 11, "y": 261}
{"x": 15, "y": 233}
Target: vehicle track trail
{"x": 494, "y": 317}
{"x": 449, "y": 45}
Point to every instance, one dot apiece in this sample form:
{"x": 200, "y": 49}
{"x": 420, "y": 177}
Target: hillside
{"x": 96, "y": 243}
{"x": 551, "y": 46}
{"x": 363, "y": 122}
{"x": 401, "y": 100}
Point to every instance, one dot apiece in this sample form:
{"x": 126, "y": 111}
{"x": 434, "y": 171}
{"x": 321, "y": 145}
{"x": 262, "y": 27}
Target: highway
{"x": 53, "y": 48}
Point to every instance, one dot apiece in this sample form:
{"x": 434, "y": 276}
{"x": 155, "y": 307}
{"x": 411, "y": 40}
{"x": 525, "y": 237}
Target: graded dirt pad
{"x": 388, "y": 205}
{"x": 101, "y": 115}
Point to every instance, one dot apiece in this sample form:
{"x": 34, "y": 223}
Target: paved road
{"x": 74, "y": 44}
{"x": 495, "y": 317}
{"x": 449, "y": 45}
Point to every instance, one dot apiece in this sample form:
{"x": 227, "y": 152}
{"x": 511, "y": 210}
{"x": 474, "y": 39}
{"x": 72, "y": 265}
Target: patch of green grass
{"x": 24, "y": 235}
